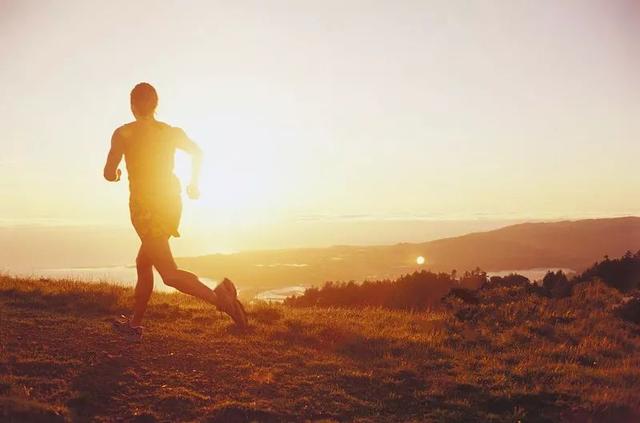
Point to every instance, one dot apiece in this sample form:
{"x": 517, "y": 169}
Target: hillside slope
{"x": 517, "y": 357}
{"x": 571, "y": 244}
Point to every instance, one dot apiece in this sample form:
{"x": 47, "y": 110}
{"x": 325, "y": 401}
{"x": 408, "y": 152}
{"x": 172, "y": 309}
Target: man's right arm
{"x": 111, "y": 171}
{"x": 183, "y": 142}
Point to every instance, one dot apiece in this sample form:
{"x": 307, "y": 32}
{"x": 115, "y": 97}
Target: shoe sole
{"x": 229, "y": 287}
{"x": 245, "y": 320}
{"x": 122, "y": 328}
{"x": 237, "y": 313}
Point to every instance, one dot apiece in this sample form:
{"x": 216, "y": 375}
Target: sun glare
{"x": 420, "y": 260}
{"x": 245, "y": 194}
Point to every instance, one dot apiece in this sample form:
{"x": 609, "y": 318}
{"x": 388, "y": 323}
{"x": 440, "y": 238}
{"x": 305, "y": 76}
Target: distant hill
{"x": 568, "y": 244}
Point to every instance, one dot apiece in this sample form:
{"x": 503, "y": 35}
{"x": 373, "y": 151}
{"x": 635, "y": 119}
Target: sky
{"x": 325, "y": 122}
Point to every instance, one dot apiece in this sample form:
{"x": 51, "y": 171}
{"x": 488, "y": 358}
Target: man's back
{"x": 149, "y": 149}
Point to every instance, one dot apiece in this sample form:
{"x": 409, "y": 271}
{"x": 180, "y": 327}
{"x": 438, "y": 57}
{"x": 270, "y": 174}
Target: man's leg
{"x": 160, "y": 254}
{"x": 144, "y": 286}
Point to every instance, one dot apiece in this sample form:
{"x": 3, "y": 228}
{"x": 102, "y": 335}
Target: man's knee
{"x": 142, "y": 260}
{"x": 171, "y": 282}
{"x": 170, "y": 277}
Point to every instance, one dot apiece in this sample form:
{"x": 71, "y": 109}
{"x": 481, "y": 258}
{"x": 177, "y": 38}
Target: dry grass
{"x": 514, "y": 356}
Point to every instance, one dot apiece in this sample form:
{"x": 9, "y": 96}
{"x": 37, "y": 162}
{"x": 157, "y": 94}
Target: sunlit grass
{"x": 519, "y": 356}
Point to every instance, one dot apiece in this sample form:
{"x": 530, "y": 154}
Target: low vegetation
{"x": 424, "y": 290}
{"x": 622, "y": 273}
{"x": 417, "y": 291}
{"x": 508, "y": 351}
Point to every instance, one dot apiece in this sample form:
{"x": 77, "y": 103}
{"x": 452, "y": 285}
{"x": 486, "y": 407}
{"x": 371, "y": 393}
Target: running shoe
{"x": 122, "y": 325}
{"x": 229, "y": 304}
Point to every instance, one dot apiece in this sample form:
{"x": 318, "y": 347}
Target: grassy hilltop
{"x": 508, "y": 355}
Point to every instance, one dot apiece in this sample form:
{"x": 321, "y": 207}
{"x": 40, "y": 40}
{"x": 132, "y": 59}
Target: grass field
{"x": 513, "y": 356}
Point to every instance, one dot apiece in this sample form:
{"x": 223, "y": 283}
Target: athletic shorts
{"x": 154, "y": 215}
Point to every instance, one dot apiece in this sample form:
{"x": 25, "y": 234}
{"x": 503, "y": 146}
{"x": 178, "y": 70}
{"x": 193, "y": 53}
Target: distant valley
{"x": 567, "y": 244}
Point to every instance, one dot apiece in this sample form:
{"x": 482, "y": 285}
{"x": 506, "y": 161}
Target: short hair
{"x": 144, "y": 99}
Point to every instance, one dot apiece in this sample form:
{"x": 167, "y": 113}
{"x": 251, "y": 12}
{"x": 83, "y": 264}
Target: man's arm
{"x": 185, "y": 144}
{"x": 111, "y": 171}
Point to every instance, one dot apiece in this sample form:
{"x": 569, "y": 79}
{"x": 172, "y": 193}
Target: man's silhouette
{"x": 148, "y": 147}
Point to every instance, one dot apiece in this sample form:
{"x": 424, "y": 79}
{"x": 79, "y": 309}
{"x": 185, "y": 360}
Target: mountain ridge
{"x": 572, "y": 244}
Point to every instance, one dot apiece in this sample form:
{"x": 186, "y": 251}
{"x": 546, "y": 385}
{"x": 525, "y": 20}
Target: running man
{"x": 148, "y": 147}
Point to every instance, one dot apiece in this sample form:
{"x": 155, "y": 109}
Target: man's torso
{"x": 149, "y": 149}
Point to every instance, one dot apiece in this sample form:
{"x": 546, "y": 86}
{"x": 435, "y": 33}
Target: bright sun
{"x": 420, "y": 260}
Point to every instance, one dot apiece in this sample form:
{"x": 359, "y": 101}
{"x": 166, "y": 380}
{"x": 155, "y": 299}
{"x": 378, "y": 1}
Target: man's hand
{"x": 193, "y": 191}
{"x": 111, "y": 172}
{"x": 112, "y": 177}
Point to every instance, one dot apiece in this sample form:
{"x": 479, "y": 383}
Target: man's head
{"x": 144, "y": 100}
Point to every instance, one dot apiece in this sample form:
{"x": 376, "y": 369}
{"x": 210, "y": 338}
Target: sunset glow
{"x": 329, "y": 210}
{"x": 310, "y": 115}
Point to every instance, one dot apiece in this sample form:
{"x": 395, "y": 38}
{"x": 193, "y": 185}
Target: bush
{"x": 424, "y": 290}
{"x": 416, "y": 291}
{"x": 556, "y": 285}
{"x": 629, "y": 309}
{"x": 622, "y": 274}
{"x": 510, "y": 281}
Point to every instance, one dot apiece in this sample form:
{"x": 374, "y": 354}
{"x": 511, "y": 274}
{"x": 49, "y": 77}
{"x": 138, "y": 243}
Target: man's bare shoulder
{"x": 124, "y": 131}
{"x": 169, "y": 127}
